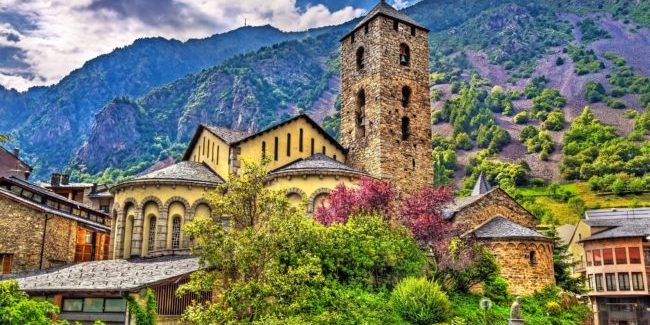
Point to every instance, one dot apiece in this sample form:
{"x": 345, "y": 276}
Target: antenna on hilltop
{"x": 245, "y": 22}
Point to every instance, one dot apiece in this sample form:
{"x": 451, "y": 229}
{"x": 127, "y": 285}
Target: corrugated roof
{"x": 316, "y": 163}
{"x": 500, "y": 227}
{"x": 617, "y": 213}
{"x": 109, "y": 275}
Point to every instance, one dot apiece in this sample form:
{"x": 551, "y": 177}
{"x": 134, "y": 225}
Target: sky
{"x": 41, "y": 41}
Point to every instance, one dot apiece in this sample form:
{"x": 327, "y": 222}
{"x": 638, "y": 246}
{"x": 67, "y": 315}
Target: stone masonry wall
{"x": 492, "y": 204}
{"x": 381, "y": 151}
{"x": 523, "y": 277}
{"x": 22, "y": 234}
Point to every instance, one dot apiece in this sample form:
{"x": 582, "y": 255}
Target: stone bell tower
{"x": 386, "y": 113}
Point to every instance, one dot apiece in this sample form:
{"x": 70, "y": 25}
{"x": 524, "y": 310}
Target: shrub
{"x": 554, "y": 121}
{"x": 463, "y": 141}
{"x": 522, "y": 117}
{"x": 615, "y": 103}
{"x": 630, "y": 113}
{"x": 496, "y": 289}
{"x": 559, "y": 61}
{"x": 594, "y": 91}
{"x": 553, "y": 308}
{"x": 420, "y": 301}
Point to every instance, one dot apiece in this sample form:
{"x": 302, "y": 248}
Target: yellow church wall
{"x": 252, "y": 149}
{"x": 162, "y": 192}
{"x": 309, "y": 187}
{"x": 212, "y": 151}
{"x": 582, "y": 231}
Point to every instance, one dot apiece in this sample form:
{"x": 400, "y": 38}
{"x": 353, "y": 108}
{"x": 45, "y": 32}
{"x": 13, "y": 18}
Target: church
{"x": 385, "y": 134}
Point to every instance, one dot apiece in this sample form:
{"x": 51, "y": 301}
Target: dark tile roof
{"x": 500, "y": 227}
{"x": 110, "y": 275}
{"x": 227, "y": 135}
{"x": 185, "y": 171}
{"x": 101, "y": 224}
{"x": 384, "y": 9}
{"x": 316, "y": 163}
{"x": 481, "y": 186}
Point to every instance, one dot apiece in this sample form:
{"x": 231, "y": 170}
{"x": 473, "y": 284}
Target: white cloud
{"x": 67, "y": 33}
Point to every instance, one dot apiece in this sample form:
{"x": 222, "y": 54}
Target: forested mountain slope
{"x": 474, "y": 43}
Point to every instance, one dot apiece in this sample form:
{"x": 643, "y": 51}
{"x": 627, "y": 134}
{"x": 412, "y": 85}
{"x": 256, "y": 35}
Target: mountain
{"x": 505, "y": 42}
{"x": 52, "y": 122}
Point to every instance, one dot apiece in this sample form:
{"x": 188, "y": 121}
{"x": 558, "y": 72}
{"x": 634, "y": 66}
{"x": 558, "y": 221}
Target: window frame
{"x": 608, "y": 256}
{"x": 618, "y": 258}
{"x": 636, "y": 284}
{"x": 610, "y": 281}
{"x": 598, "y": 280}
{"x": 623, "y": 281}
{"x": 638, "y": 253}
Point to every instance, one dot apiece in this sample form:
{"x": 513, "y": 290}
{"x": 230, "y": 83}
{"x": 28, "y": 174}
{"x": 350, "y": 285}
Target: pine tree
{"x": 562, "y": 264}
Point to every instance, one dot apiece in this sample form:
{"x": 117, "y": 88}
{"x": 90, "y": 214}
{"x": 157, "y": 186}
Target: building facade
{"x": 42, "y": 229}
{"x": 94, "y": 195}
{"x": 612, "y": 253}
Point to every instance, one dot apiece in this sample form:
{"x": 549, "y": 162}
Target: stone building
{"x": 41, "y": 229}
{"x": 12, "y": 165}
{"x": 386, "y": 112}
{"x": 497, "y": 220}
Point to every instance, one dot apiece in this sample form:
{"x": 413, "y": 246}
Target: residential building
{"x": 12, "y": 165}
{"x": 41, "y": 229}
{"x": 614, "y": 258}
{"x": 94, "y": 195}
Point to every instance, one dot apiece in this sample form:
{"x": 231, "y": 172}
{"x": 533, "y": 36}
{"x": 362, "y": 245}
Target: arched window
{"x": 128, "y": 235}
{"x": 406, "y": 128}
{"x": 406, "y": 96}
{"x": 532, "y": 258}
{"x": 360, "y": 113}
{"x": 176, "y": 233}
{"x": 360, "y": 58}
{"x": 404, "y": 54}
{"x": 152, "y": 234}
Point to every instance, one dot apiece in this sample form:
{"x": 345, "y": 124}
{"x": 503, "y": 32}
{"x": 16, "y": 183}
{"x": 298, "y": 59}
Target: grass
{"x": 563, "y": 213}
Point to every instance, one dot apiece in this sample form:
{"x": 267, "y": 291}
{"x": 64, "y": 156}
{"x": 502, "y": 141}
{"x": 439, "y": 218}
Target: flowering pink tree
{"x": 372, "y": 196}
{"x": 422, "y": 213}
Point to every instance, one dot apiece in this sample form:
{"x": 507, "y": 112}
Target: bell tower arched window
{"x": 406, "y": 96}
{"x": 406, "y": 128}
{"x": 360, "y": 58}
{"x": 404, "y": 55}
{"x": 360, "y": 113}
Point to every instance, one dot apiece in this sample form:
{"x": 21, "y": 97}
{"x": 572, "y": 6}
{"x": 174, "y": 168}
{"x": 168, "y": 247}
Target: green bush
{"x": 522, "y": 117}
{"x": 420, "y": 301}
{"x": 463, "y": 141}
{"x": 554, "y": 121}
{"x": 559, "y": 61}
{"x": 553, "y": 308}
{"x": 496, "y": 289}
{"x": 594, "y": 91}
{"x": 548, "y": 100}
{"x": 615, "y": 103}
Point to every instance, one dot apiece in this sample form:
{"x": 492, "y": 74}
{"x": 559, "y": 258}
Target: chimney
{"x": 65, "y": 179}
{"x": 56, "y": 179}
{"x": 16, "y": 152}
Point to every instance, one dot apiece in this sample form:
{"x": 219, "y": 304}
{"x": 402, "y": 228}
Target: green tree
{"x": 562, "y": 264}
{"x": 146, "y": 315}
{"x": 420, "y": 301}
{"x": 273, "y": 265}
{"x": 594, "y": 91}
{"x": 16, "y": 308}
